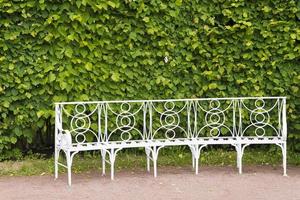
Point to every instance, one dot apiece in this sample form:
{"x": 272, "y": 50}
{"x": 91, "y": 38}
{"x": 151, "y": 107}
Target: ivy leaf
{"x": 88, "y": 66}
{"x": 6, "y": 104}
{"x": 51, "y": 77}
{"x": 115, "y": 77}
{"x": 69, "y": 52}
{"x": 40, "y": 113}
{"x": 212, "y": 86}
{"x": 178, "y": 2}
{"x": 13, "y": 140}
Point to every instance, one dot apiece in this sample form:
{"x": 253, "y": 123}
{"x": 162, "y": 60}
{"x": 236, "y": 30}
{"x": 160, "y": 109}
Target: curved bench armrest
{"x": 64, "y": 139}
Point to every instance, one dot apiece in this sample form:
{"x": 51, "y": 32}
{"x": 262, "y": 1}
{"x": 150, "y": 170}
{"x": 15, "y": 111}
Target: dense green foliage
{"x": 59, "y": 50}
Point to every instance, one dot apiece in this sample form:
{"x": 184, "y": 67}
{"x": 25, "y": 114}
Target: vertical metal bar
{"x": 240, "y": 157}
{"x": 284, "y": 124}
{"x": 145, "y": 135}
{"x": 195, "y": 107}
{"x": 239, "y": 135}
{"x": 148, "y": 158}
{"x": 240, "y": 132}
{"x": 193, "y": 162}
{"x": 284, "y": 135}
{"x": 55, "y": 141}
{"x": 233, "y": 118}
{"x": 103, "y": 155}
{"x": 154, "y": 157}
{"x": 280, "y": 105}
{"x": 196, "y": 159}
{"x": 150, "y": 136}
{"x": 105, "y": 123}
{"x": 69, "y": 165}
{"x": 112, "y": 164}
{"x": 189, "y": 132}
{"x": 99, "y": 123}
{"x": 284, "y": 151}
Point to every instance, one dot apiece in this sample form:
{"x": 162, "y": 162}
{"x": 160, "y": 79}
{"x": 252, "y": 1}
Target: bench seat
{"x": 172, "y": 142}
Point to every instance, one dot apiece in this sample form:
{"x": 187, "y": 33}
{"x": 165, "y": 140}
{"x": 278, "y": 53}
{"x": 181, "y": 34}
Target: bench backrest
{"x": 105, "y": 121}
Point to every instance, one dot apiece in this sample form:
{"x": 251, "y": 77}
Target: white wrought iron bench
{"x": 110, "y": 126}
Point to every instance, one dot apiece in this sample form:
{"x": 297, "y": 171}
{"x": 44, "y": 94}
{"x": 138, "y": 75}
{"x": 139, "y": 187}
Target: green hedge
{"x": 59, "y": 50}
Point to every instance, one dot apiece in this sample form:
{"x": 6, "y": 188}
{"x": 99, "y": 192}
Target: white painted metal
{"x": 110, "y": 126}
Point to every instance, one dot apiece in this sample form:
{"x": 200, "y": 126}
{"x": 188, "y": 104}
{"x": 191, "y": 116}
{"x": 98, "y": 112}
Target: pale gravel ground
{"x": 172, "y": 183}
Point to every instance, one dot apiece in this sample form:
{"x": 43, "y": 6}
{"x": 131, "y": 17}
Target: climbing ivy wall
{"x": 77, "y": 50}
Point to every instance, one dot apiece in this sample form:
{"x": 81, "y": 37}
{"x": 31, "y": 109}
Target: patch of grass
{"x": 87, "y": 162}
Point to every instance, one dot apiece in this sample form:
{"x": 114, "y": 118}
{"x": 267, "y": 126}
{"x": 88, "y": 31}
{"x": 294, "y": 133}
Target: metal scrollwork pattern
{"x": 214, "y": 118}
{"x": 125, "y": 120}
{"x": 80, "y": 123}
{"x": 260, "y": 117}
{"x": 169, "y": 119}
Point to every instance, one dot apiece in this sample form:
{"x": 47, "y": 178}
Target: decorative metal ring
{"x": 170, "y": 136}
{"x": 213, "y": 130}
{"x": 260, "y": 134}
{"x": 77, "y": 108}
{"x": 258, "y": 101}
{"x": 169, "y": 105}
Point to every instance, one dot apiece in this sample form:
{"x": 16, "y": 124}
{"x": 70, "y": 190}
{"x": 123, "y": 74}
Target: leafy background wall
{"x": 59, "y": 50}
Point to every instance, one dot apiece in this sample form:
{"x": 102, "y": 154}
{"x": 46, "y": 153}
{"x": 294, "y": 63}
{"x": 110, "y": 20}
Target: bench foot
{"x": 103, "y": 155}
{"x": 196, "y": 151}
{"x": 112, "y": 157}
{"x": 284, "y": 159}
{"x": 193, "y": 158}
{"x": 153, "y": 155}
{"x": 148, "y": 153}
{"x": 240, "y": 152}
{"x": 193, "y": 162}
{"x": 69, "y": 166}
{"x": 56, "y": 157}
{"x": 154, "y": 158}
{"x": 239, "y": 158}
{"x": 69, "y": 157}
{"x": 284, "y": 152}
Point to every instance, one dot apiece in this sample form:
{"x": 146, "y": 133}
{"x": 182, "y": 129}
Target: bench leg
{"x": 199, "y": 153}
{"x": 284, "y": 159}
{"x": 154, "y": 151}
{"x": 238, "y": 164}
{"x": 196, "y": 155}
{"x": 239, "y": 157}
{"x": 196, "y": 152}
{"x": 193, "y": 158}
{"x": 238, "y": 161}
{"x": 193, "y": 162}
{"x": 155, "y": 167}
{"x": 69, "y": 165}
{"x": 69, "y": 158}
{"x": 148, "y": 152}
{"x": 154, "y": 157}
{"x": 103, "y": 155}
{"x": 197, "y": 165}
{"x": 284, "y": 151}
{"x": 56, "y": 157}
{"x": 240, "y": 152}
{"x": 112, "y": 157}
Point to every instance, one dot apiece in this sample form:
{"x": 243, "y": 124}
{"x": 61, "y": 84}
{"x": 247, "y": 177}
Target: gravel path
{"x": 172, "y": 183}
